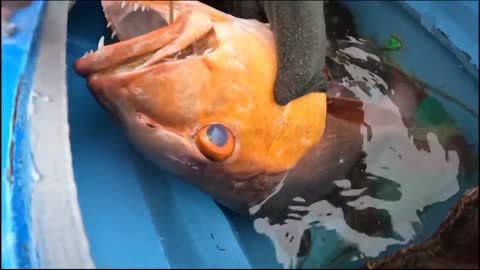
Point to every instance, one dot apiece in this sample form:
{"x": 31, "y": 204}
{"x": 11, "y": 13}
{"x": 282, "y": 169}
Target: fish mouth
{"x": 146, "y": 39}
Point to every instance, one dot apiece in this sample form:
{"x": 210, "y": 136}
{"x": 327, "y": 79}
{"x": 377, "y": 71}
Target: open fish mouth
{"x": 146, "y": 39}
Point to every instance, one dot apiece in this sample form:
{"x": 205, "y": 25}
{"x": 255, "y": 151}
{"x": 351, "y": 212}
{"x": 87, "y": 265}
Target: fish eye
{"x": 215, "y": 141}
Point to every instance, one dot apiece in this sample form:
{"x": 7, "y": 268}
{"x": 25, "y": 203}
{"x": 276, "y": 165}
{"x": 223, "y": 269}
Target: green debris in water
{"x": 432, "y": 112}
{"x": 431, "y": 116}
{"x": 393, "y": 43}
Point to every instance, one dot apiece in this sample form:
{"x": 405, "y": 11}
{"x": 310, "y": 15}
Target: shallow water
{"x": 138, "y": 216}
{"x": 410, "y": 180}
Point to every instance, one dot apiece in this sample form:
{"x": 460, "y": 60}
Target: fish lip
{"x": 111, "y": 58}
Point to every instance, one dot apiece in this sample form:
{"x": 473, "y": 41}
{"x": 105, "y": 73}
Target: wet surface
{"x": 386, "y": 199}
{"x": 411, "y": 167}
{"x": 408, "y": 163}
{"x": 453, "y": 246}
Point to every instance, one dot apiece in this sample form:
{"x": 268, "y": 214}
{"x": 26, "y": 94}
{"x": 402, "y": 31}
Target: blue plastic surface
{"x": 174, "y": 224}
{"x": 18, "y": 63}
{"x": 423, "y": 56}
{"x": 137, "y": 216}
{"x": 458, "y": 20}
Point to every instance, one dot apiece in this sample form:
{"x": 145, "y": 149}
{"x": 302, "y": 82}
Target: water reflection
{"x": 377, "y": 176}
{"x": 387, "y": 166}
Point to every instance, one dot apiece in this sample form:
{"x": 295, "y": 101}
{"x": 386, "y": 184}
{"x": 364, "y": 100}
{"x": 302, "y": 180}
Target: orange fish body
{"x": 206, "y": 68}
{"x": 196, "y": 97}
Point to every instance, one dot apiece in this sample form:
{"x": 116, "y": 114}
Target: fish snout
{"x": 113, "y": 93}
{"x": 99, "y": 89}
{"x": 81, "y": 67}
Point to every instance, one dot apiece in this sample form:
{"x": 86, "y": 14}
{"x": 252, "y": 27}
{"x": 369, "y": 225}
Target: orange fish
{"x": 196, "y": 97}
{"x": 206, "y": 74}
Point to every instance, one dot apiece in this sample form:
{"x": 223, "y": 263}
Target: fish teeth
{"x": 207, "y": 51}
{"x": 109, "y": 24}
{"x": 135, "y": 7}
{"x": 143, "y": 8}
{"x": 123, "y": 4}
{"x": 113, "y": 34}
{"x": 100, "y": 43}
{"x": 176, "y": 56}
{"x": 87, "y": 53}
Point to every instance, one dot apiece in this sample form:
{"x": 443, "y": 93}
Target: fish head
{"x": 196, "y": 95}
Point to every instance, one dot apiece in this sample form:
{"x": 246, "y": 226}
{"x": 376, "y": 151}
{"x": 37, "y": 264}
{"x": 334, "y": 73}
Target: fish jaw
{"x": 148, "y": 48}
{"x": 132, "y": 18}
{"x": 136, "y": 72}
{"x": 163, "y": 92}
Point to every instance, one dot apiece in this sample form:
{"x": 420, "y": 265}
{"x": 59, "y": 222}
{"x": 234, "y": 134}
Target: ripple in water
{"x": 404, "y": 166}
